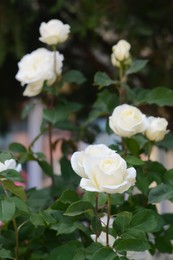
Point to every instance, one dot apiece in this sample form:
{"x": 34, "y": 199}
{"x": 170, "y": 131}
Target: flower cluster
{"x": 127, "y": 120}
{"x": 102, "y": 170}
{"x": 43, "y": 65}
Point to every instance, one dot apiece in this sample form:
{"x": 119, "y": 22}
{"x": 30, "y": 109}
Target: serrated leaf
{"x": 136, "y": 66}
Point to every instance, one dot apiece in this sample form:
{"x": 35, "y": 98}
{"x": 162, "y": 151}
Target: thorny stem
{"x": 108, "y": 219}
{"x": 15, "y": 227}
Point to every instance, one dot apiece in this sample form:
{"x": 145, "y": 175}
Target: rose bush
{"x": 115, "y": 215}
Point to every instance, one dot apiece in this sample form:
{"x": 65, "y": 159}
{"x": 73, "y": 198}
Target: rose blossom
{"x": 120, "y": 52}
{"x": 37, "y": 67}
{"x": 156, "y": 129}
{"x": 10, "y": 164}
{"x": 102, "y": 170}
{"x": 127, "y": 121}
{"x": 54, "y": 32}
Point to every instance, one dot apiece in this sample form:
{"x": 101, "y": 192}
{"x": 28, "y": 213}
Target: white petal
{"x": 86, "y": 184}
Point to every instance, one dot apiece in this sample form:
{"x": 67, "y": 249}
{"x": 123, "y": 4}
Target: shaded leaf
{"x": 101, "y": 79}
{"x": 160, "y": 193}
{"x": 74, "y": 76}
{"x": 136, "y": 66}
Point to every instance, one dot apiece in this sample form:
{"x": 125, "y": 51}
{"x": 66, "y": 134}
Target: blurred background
{"x": 95, "y": 27}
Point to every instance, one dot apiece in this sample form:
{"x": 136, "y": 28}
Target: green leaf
{"x": 168, "y": 177}
{"x": 132, "y": 145}
{"x": 104, "y": 253}
{"x": 96, "y": 225}
{"x": 132, "y": 160}
{"x": 19, "y": 204}
{"x": 47, "y": 217}
{"x": 68, "y": 196}
{"x": 122, "y": 222}
{"x": 11, "y": 175}
{"x": 159, "y": 96}
{"x": 16, "y": 190}
{"x": 163, "y": 244}
{"x": 136, "y": 66}
{"x": 37, "y": 220}
{"x": 101, "y": 79}
{"x": 104, "y": 105}
{"x": 132, "y": 245}
{"x": 64, "y": 228}
{"x": 61, "y": 112}
{"x": 79, "y": 208}
{"x": 17, "y": 148}
{"x": 145, "y": 220}
{"x": 5, "y": 156}
{"x": 7, "y": 210}
{"x": 74, "y": 76}
{"x": 5, "y": 254}
{"x": 66, "y": 251}
{"x": 46, "y": 167}
{"x": 160, "y": 193}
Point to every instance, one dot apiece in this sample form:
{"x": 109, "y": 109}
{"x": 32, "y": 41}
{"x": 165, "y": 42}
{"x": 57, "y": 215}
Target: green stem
{"x": 17, "y": 240}
{"x": 108, "y": 219}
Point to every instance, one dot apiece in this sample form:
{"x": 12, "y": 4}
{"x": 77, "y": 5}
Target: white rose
{"x": 102, "y": 239}
{"x": 37, "y": 67}
{"x": 156, "y": 129}
{"x": 127, "y": 121}
{"x": 10, "y": 164}
{"x": 103, "y": 170}
{"x": 121, "y": 51}
{"x": 54, "y": 32}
